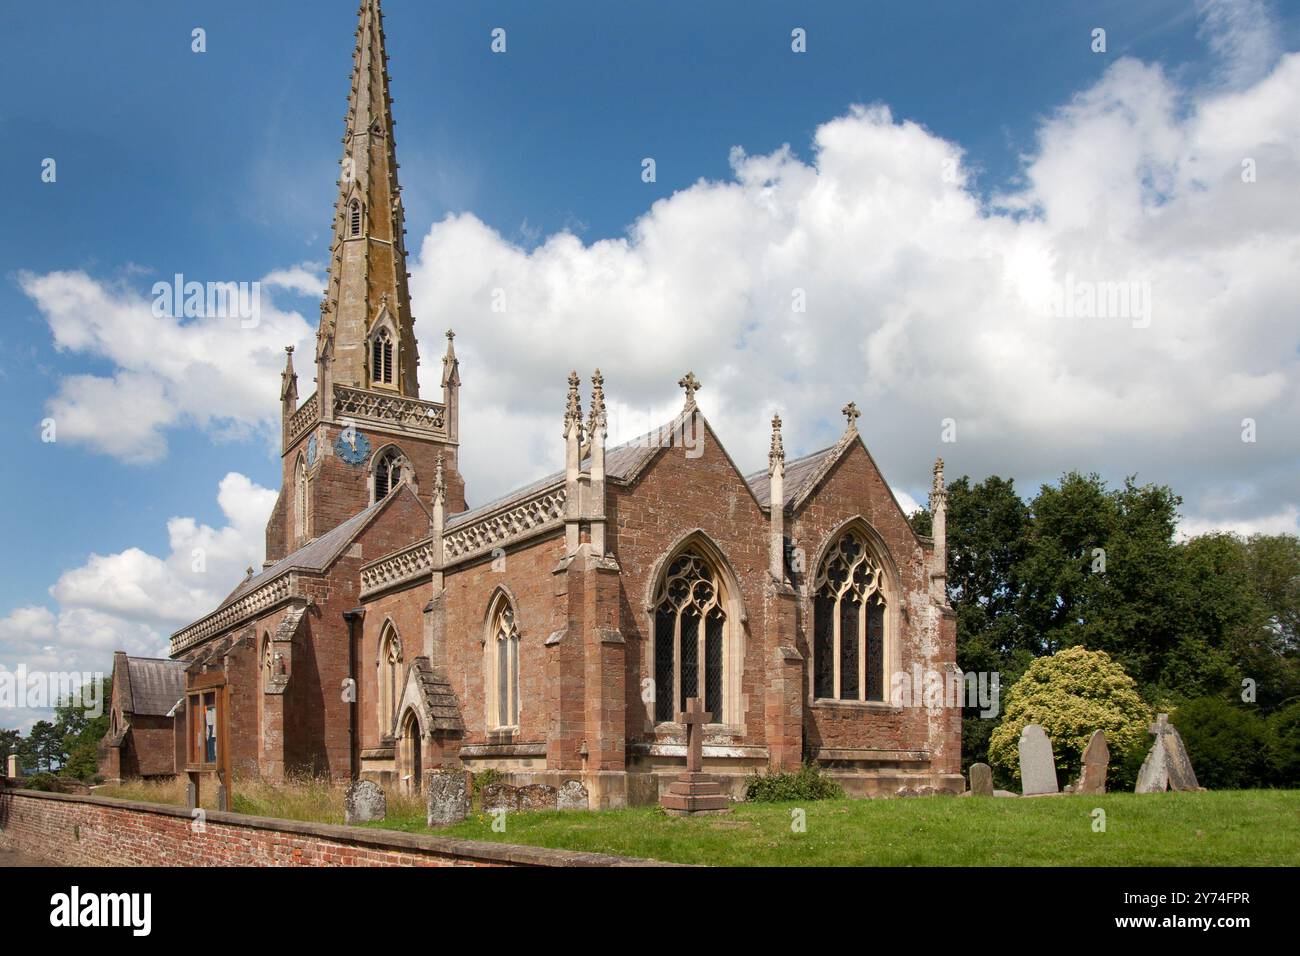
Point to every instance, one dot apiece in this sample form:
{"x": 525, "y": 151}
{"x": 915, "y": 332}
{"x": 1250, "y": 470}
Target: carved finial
{"x": 938, "y": 495}
{"x": 692, "y": 385}
{"x": 450, "y": 364}
{"x": 777, "y": 452}
{"x": 289, "y": 349}
{"x": 597, "y": 417}
{"x": 439, "y": 483}
{"x": 248, "y": 573}
{"x": 573, "y": 408}
{"x": 850, "y": 411}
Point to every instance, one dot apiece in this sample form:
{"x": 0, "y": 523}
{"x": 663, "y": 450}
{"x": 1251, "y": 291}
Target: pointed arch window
{"x": 388, "y": 473}
{"x": 381, "y": 358}
{"x": 268, "y": 662}
{"x": 390, "y": 672}
{"x": 354, "y": 218}
{"x": 849, "y": 621}
{"x": 300, "y": 499}
{"x": 503, "y": 666}
{"x": 691, "y": 638}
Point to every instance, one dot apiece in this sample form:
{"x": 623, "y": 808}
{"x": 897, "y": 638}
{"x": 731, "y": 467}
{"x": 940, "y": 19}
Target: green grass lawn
{"x": 1228, "y": 828}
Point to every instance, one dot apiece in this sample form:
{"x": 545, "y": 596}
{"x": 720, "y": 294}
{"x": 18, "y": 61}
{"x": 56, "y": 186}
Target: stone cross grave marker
{"x": 695, "y": 717}
{"x": 1037, "y": 763}
{"x": 1177, "y": 763}
{"x": 693, "y": 791}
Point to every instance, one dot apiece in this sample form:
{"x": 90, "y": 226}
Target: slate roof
{"x": 315, "y": 555}
{"x": 156, "y": 684}
{"x": 799, "y": 475}
{"x": 622, "y": 462}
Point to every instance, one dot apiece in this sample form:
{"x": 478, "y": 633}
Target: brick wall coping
{"x": 480, "y": 850}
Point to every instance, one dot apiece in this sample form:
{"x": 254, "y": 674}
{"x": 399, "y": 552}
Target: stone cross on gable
{"x": 694, "y": 717}
{"x": 850, "y": 411}
{"x": 692, "y": 385}
{"x": 1160, "y": 726}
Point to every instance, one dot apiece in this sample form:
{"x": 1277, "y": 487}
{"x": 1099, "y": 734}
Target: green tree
{"x": 1070, "y": 695}
{"x": 79, "y": 734}
{"x": 1229, "y": 745}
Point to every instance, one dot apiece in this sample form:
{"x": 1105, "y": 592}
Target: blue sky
{"x": 221, "y": 166}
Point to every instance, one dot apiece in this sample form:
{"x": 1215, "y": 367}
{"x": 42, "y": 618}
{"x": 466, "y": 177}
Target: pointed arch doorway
{"x": 410, "y": 757}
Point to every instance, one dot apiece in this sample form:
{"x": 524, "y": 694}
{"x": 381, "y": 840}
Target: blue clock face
{"x": 352, "y": 446}
{"x": 311, "y": 451}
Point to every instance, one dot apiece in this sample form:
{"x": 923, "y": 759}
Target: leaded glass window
{"x": 690, "y": 639}
{"x": 505, "y": 666}
{"x": 849, "y": 623}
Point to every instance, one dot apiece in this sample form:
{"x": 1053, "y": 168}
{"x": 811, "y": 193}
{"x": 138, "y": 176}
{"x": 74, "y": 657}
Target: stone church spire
{"x": 366, "y": 338}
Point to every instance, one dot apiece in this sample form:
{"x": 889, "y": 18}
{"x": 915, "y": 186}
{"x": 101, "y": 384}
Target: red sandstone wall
{"x": 674, "y": 495}
{"x": 853, "y": 487}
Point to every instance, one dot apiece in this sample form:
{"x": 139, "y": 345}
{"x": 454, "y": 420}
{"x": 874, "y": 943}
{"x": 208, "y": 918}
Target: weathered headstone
{"x": 365, "y": 801}
{"x": 191, "y": 795}
{"x": 1154, "y": 775}
{"x": 1096, "y": 761}
{"x": 447, "y": 795}
{"x": 1181, "y": 774}
{"x": 538, "y": 796}
{"x": 572, "y": 795}
{"x": 981, "y": 780}
{"x": 499, "y": 796}
{"x": 1037, "y": 763}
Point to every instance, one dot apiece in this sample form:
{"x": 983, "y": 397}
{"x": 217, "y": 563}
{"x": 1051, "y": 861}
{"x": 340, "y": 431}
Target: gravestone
{"x": 1096, "y": 761}
{"x": 1037, "y": 764}
{"x": 447, "y": 795}
{"x": 365, "y": 801}
{"x": 538, "y": 796}
{"x": 1154, "y": 775}
{"x": 13, "y": 770}
{"x": 981, "y": 780}
{"x": 191, "y": 795}
{"x": 1181, "y": 774}
{"x": 694, "y": 792}
{"x": 572, "y": 795}
{"x": 499, "y": 796}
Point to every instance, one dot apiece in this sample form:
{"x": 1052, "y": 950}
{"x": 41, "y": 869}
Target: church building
{"x": 554, "y": 634}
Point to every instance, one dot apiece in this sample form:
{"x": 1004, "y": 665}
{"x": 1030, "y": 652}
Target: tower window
{"x": 388, "y": 473}
{"x": 381, "y": 359}
{"x": 355, "y": 217}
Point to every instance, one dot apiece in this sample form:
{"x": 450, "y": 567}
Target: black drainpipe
{"x": 354, "y": 754}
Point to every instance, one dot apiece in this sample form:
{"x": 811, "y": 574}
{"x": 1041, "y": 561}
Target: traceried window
{"x": 354, "y": 218}
{"x": 381, "y": 358}
{"x": 503, "y": 666}
{"x": 690, "y": 638}
{"x": 388, "y": 473}
{"x": 390, "y": 672}
{"x": 849, "y": 623}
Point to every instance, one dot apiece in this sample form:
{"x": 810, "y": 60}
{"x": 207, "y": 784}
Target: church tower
{"x": 366, "y": 428}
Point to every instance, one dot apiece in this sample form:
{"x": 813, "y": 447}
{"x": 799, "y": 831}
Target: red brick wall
{"x": 72, "y": 830}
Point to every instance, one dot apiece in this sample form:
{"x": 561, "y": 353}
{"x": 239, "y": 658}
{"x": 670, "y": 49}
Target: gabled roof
{"x": 800, "y": 475}
{"x": 319, "y": 553}
{"x": 156, "y": 684}
{"x": 622, "y": 463}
